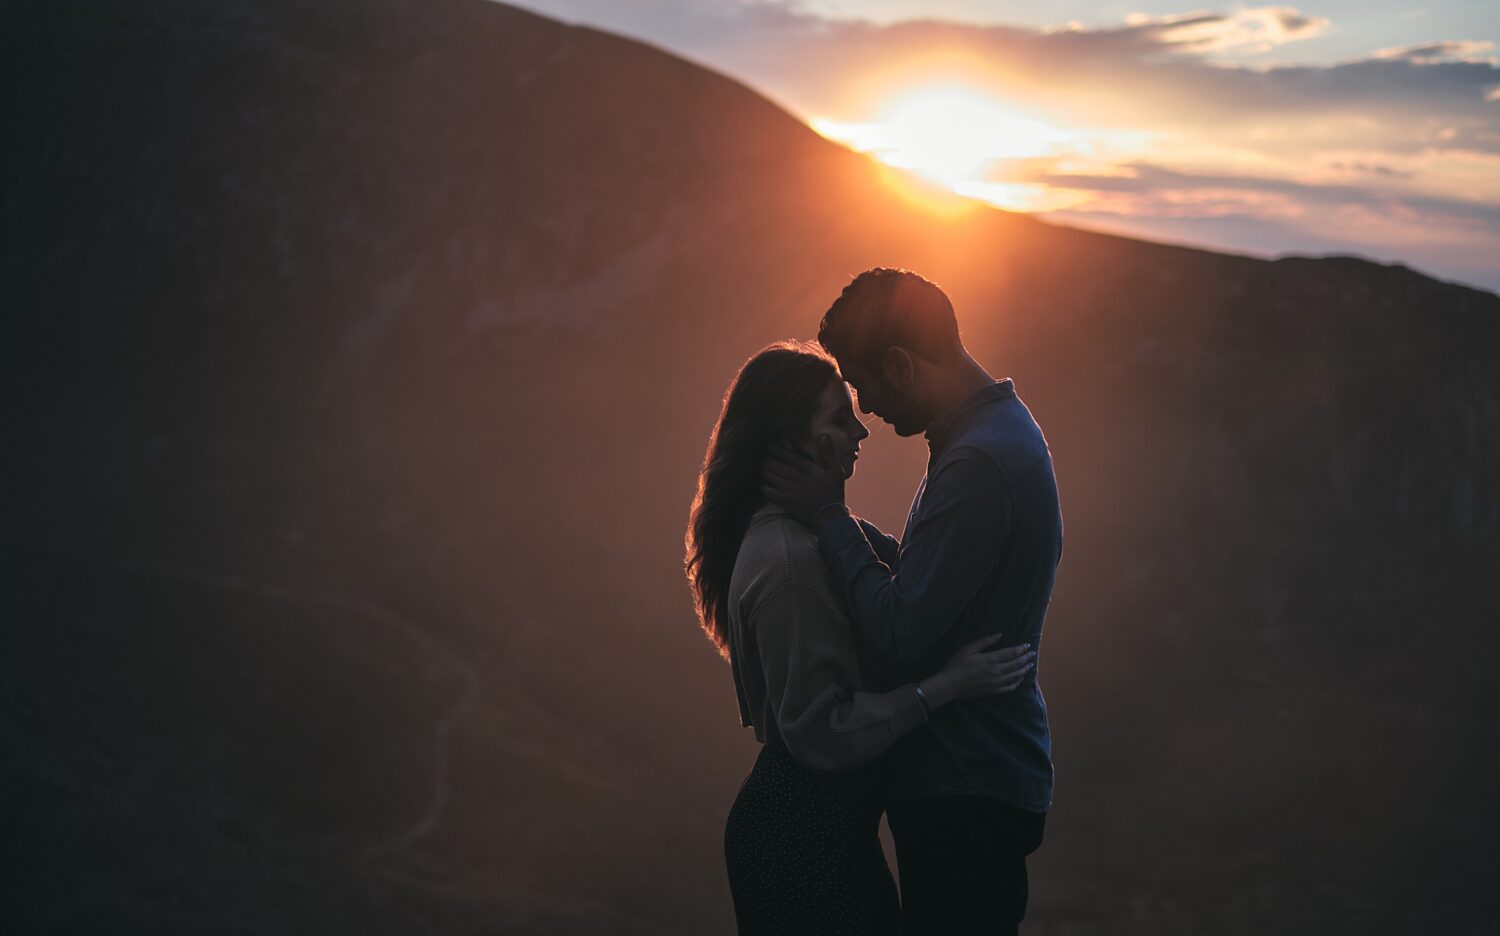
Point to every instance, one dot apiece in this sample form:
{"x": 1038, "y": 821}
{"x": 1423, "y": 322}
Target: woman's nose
{"x": 862, "y": 432}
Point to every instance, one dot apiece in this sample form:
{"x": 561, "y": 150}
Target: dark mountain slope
{"x": 360, "y": 359}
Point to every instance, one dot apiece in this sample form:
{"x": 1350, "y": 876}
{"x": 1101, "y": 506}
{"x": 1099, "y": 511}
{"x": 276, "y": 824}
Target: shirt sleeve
{"x": 808, "y": 658}
{"x": 887, "y": 548}
{"x": 954, "y": 546}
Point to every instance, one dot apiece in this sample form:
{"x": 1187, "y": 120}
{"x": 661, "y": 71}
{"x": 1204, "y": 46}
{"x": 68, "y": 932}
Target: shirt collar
{"x": 943, "y": 428}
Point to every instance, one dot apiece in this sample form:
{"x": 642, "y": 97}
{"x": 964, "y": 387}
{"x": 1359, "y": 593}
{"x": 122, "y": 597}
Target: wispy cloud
{"x": 1151, "y": 68}
{"x": 1433, "y": 53}
{"x": 1160, "y": 72}
{"x": 1255, "y": 30}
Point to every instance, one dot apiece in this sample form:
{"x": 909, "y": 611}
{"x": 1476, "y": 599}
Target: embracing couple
{"x": 880, "y": 675}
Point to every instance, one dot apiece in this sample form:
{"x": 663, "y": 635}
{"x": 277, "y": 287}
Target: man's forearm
{"x": 949, "y": 552}
{"x": 887, "y": 548}
{"x": 860, "y": 575}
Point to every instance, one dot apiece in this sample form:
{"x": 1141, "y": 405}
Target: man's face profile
{"x": 874, "y": 394}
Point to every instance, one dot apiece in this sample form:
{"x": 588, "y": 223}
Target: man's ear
{"x": 897, "y": 367}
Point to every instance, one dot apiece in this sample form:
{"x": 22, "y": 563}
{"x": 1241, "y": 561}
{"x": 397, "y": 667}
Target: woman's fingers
{"x": 984, "y": 643}
{"x": 1008, "y": 655}
{"x": 1011, "y": 673}
{"x": 1003, "y": 670}
{"x": 1010, "y": 667}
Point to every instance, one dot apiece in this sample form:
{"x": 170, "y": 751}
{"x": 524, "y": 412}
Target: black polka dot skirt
{"x": 803, "y": 851}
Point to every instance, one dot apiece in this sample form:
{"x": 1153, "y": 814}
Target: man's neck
{"x": 966, "y": 378}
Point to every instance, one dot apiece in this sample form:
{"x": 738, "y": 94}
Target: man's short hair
{"x": 883, "y": 308}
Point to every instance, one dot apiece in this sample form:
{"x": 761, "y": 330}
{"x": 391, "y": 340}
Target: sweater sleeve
{"x": 810, "y": 666}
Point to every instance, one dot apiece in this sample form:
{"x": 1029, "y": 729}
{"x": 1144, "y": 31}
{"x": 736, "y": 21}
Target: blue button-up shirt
{"x": 978, "y": 557}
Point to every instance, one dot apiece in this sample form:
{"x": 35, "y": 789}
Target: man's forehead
{"x": 853, "y": 374}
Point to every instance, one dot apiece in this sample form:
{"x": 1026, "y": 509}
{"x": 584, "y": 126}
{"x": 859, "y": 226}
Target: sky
{"x": 1337, "y": 127}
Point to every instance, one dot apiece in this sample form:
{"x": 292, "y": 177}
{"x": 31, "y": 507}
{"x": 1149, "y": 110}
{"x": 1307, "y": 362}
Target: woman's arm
{"x": 808, "y": 657}
{"x": 978, "y": 670}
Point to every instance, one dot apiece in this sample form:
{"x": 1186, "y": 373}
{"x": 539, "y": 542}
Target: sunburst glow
{"x": 955, "y": 136}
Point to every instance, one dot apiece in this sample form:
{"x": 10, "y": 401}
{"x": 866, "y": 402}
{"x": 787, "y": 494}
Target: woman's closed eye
{"x": 846, "y": 418}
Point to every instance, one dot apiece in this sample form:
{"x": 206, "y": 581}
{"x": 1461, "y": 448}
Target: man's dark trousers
{"x": 963, "y": 864}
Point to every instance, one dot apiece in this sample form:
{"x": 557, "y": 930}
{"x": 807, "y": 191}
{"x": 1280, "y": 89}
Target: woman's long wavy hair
{"x": 774, "y": 396}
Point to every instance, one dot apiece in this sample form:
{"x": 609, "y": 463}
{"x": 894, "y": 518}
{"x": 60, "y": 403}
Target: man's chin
{"x": 905, "y": 431}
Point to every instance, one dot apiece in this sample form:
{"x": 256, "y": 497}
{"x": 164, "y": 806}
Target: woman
{"x": 801, "y": 843}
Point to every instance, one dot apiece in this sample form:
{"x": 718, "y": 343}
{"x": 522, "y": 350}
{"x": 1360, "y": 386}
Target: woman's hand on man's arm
{"x": 978, "y": 670}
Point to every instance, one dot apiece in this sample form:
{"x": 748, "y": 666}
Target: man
{"x": 967, "y": 796}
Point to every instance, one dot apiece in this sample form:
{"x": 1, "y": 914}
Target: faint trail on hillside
{"x": 442, "y": 729}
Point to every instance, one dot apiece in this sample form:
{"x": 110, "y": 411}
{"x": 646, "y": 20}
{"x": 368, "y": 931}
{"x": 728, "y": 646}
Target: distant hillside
{"x": 361, "y": 354}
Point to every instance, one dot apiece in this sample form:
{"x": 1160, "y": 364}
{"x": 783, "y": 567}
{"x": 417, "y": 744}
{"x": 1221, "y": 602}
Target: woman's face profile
{"x": 835, "y": 418}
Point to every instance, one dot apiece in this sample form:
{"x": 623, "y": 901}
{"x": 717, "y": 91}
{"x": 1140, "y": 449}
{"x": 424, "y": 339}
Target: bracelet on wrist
{"x": 922, "y": 698}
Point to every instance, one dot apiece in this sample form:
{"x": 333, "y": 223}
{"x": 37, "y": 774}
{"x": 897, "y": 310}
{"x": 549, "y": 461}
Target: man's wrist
{"x": 828, "y": 513}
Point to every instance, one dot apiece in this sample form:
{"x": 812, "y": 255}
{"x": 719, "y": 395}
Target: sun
{"x": 954, "y": 136}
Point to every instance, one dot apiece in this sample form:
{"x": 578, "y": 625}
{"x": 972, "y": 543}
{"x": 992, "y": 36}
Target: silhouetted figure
{"x": 801, "y": 843}
{"x": 968, "y": 795}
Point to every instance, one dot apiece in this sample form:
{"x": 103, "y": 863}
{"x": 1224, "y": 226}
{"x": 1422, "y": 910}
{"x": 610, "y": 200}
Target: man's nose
{"x": 861, "y": 433}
